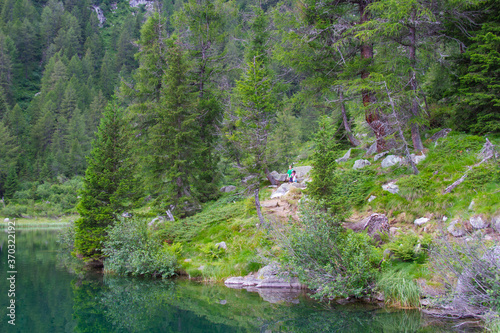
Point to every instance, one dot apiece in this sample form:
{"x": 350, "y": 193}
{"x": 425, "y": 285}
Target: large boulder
{"x": 359, "y": 164}
{"x": 345, "y": 157}
{"x": 455, "y": 228}
{"x": 391, "y": 187}
{"x": 280, "y": 177}
{"x": 374, "y": 225}
{"x": 495, "y": 223}
{"x": 478, "y": 222}
{"x": 281, "y": 191}
{"x": 420, "y": 221}
{"x": 302, "y": 171}
{"x": 228, "y": 188}
{"x": 379, "y": 156}
{"x": 372, "y": 150}
{"x": 441, "y": 134}
{"x": 390, "y": 161}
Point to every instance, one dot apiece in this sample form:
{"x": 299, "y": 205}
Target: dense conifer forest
{"x": 208, "y": 84}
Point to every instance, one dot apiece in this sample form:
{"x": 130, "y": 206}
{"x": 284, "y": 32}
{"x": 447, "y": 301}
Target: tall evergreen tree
{"x": 106, "y": 184}
{"x": 175, "y": 140}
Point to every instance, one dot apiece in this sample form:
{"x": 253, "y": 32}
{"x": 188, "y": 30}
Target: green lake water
{"x": 51, "y": 296}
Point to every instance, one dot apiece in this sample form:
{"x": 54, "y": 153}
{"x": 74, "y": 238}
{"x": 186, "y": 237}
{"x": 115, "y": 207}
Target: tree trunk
{"x": 257, "y": 207}
{"x": 415, "y": 132}
{"x": 372, "y": 116}
{"x": 355, "y": 142}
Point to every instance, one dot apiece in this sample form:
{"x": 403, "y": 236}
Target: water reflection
{"x": 55, "y": 295}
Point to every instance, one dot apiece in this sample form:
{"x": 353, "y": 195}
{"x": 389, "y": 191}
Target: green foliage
{"x": 212, "y": 251}
{"x": 107, "y": 184}
{"x": 415, "y": 187}
{"x": 399, "y": 289}
{"x": 327, "y": 258}
{"x": 131, "y": 249}
{"x": 410, "y": 247}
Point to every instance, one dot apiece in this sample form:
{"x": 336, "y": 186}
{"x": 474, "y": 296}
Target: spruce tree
{"x": 106, "y": 184}
{"x": 175, "y": 140}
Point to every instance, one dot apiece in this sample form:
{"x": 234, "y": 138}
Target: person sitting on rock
{"x": 289, "y": 173}
{"x": 294, "y": 177}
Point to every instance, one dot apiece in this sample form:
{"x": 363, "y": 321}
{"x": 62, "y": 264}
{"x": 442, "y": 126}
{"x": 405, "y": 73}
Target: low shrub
{"x": 410, "y": 247}
{"x": 332, "y": 261}
{"x": 131, "y": 249}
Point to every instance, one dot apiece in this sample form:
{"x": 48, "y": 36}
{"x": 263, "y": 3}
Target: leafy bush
{"x": 410, "y": 247}
{"x": 212, "y": 251}
{"x": 329, "y": 259}
{"x": 130, "y": 249}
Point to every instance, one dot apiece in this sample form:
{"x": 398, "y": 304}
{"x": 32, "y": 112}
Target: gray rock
{"x": 251, "y": 282}
{"x": 495, "y": 223}
{"x": 359, "y": 164}
{"x": 227, "y": 189}
{"x": 282, "y": 190}
{"x": 280, "y": 177}
{"x": 441, "y": 134}
{"x": 390, "y": 161}
{"x": 6, "y": 220}
{"x": 156, "y": 222}
{"x": 379, "y": 156}
{"x": 478, "y": 222}
{"x": 371, "y": 198}
{"x": 415, "y": 158}
{"x": 302, "y": 171}
{"x": 246, "y": 179}
{"x": 455, "y": 228}
{"x": 268, "y": 271}
{"x": 374, "y": 225}
{"x": 420, "y": 221}
{"x": 222, "y": 302}
{"x": 372, "y": 150}
{"x": 276, "y": 283}
{"x": 393, "y": 231}
{"x": 391, "y": 187}
{"x": 345, "y": 157}
{"x": 221, "y": 245}
{"x": 235, "y": 280}
{"x": 126, "y": 214}
{"x": 471, "y": 205}
{"x": 188, "y": 260}
{"x": 445, "y": 218}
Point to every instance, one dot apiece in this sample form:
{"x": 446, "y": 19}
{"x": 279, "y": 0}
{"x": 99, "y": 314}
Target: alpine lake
{"x": 53, "y": 295}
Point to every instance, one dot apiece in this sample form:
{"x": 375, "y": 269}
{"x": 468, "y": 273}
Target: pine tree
{"x": 106, "y": 184}
{"x": 175, "y": 141}
{"x": 11, "y": 184}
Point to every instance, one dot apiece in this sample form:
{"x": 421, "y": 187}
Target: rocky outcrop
{"x": 478, "y": 222}
{"x": 359, "y": 164}
{"x": 374, "y": 225}
{"x": 267, "y": 277}
{"x": 100, "y": 14}
{"x": 455, "y": 228}
{"x": 441, "y": 134}
{"x": 379, "y": 156}
{"x": 420, "y": 221}
{"x": 391, "y": 187}
{"x": 345, "y": 157}
{"x": 495, "y": 223}
{"x": 228, "y": 188}
{"x": 284, "y": 188}
{"x": 281, "y": 177}
{"x": 302, "y": 171}
{"x": 390, "y": 161}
